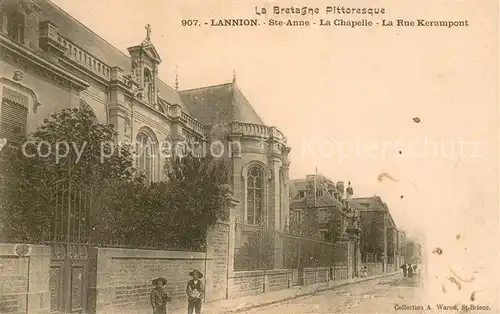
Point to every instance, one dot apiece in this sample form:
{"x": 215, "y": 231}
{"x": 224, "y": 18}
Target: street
{"x": 374, "y": 296}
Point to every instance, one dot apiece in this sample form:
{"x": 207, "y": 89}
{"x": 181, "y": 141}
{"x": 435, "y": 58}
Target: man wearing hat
{"x": 195, "y": 291}
{"x": 159, "y": 297}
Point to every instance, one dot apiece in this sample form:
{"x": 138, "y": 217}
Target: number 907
{"x": 189, "y": 22}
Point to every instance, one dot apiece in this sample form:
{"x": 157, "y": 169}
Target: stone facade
{"x": 327, "y": 199}
{"x": 379, "y": 236}
{"x": 50, "y": 61}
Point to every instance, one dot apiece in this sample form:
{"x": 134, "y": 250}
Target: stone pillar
{"x": 74, "y": 97}
{"x": 231, "y": 245}
{"x": 119, "y": 117}
{"x": 286, "y": 200}
{"x": 177, "y": 136}
{"x": 384, "y": 267}
{"x": 275, "y": 209}
{"x": 354, "y": 236}
{"x": 25, "y": 275}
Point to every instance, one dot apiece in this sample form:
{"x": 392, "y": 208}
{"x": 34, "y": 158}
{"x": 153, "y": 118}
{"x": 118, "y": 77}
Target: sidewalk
{"x": 265, "y": 299}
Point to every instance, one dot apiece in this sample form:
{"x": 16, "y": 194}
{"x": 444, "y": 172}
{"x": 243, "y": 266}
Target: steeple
{"x": 234, "y": 76}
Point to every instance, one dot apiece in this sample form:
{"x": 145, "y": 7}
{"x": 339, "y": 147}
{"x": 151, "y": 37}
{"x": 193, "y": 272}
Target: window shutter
{"x": 13, "y": 121}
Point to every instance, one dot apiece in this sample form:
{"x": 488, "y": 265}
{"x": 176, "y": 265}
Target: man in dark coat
{"x": 404, "y": 267}
{"x": 195, "y": 291}
{"x": 410, "y": 271}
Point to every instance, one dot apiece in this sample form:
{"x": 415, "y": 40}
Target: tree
{"x": 257, "y": 252}
{"x": 69, "y": 147}
{"x": 309, "y": 227}
{"x": 171, "y": 215}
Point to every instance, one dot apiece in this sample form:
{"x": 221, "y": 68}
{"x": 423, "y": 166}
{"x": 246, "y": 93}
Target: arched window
{"x": 85, "y": 106}
{"x": 15, "y": 26}
{"x": 255, "y": 195}
{"x": 146, "y": 155}
{"x": 148, "y": 86}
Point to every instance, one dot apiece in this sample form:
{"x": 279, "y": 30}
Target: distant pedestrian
{"x": 364, "y": 272}
{"x": 410, "y": 271}
{"x": 160, "y": 297}
{"x": 418, "y": 270}
{"x": 195, "y": 291}
{"x": 404, "y": 267}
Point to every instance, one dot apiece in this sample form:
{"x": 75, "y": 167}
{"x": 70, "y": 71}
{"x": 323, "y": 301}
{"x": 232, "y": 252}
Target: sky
{"x": 346, "y": 99}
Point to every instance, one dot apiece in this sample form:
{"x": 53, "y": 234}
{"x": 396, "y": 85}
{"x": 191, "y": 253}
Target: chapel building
{"x": 50, "y": 61}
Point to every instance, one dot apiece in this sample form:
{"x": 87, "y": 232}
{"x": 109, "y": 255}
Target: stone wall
{"x": 245, "y": 283}
{"x": 24, "y": 278}
{"x": 120, "y": 279}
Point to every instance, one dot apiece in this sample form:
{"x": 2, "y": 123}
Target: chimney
{"x": 349, "y": 191}
{"x": 340, "y": 189}
{"x": 311, "y": 187}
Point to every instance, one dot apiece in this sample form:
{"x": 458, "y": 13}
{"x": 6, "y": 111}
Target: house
{"x": 320, "y": 197}
{"x": 379, "y": 233}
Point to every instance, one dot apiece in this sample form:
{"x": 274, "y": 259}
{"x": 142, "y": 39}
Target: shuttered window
{"x": 13, "y": 121}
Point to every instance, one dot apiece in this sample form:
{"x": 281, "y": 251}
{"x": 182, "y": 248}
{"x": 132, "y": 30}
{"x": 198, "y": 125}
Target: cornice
{"x": 21, "y": 54}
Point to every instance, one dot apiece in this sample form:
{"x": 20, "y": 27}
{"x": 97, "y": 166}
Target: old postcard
{"x": 249, "y": 157}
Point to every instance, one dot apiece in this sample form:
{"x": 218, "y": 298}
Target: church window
{"x": 16, "y": 26}
{"x": 146, "y": 153}
{"x": 148, "y": 85}
{"x": 255, "y": 197}
{"x": 85, "y": 106}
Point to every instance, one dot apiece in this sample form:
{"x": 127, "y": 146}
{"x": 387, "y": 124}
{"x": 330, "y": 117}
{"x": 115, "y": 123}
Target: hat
{"x": 159, "y": 279}
{"x": 200, "y": 275}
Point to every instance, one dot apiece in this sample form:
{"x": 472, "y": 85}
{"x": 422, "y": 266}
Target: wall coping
{"x": 20, "y": 250}
{"x": 248, "y": 273}
{"x": 317, "y": 268}
{"x": 322, "y": 268}
{"x": 260, "y": 273}
{"x": 149, "y": 254}
{"x": 278, "y": 272}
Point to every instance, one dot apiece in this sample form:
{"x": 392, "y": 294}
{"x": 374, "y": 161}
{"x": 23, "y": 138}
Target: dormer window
{"x": 15, "y": 26}
{"x": 302, "y": 194}
{"x": 319, "y": 193}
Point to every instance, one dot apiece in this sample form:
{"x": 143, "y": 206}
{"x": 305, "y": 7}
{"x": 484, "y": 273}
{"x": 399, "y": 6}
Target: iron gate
{"x": 69, "y": 237}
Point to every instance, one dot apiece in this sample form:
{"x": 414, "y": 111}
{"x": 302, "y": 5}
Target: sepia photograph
{"x": 217, "y": 157}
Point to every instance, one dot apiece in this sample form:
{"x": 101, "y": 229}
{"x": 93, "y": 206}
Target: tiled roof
{"x": 73, "y": 30}
{"x": 326, "y": 200}
{"x": 219, "y": 104}
{"x": 301, "y": 184}
{"x": 373, "y": 202}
